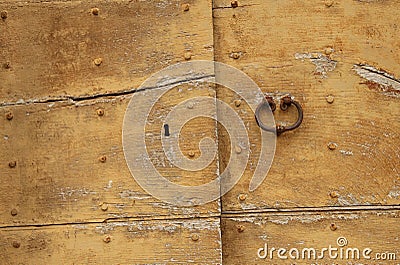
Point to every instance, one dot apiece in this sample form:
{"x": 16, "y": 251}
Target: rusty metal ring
{"x": 258, "y": 120}
{"x": 280, "y": 128}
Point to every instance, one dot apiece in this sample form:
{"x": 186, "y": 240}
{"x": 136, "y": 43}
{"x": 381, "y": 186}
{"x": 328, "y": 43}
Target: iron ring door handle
{"x": 285, "y": 103}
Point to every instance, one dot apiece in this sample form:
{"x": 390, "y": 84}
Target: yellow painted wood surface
{"x": 52, "y": 48}
{"x": 244, "y": 235}
{"x": 128, "y": 242}
{"x": 65, "y": 188}
{"x": 60, "y": 177}
{"x": 316, "y": 49}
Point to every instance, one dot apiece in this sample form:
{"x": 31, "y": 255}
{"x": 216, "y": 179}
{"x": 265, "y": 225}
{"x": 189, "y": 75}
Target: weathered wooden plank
{"x": 244, "y": 236}
{"x": 64, "y": 49}
{"x": 129, "y": 242}
{"x": 64, "y": 162}
{"x": 341, "y": 62}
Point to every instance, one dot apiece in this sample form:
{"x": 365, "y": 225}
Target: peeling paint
{"x": 69, "y": 192}
{"x": 394, "y": 194}
{"x": 171, "y": 227}
{"x": 379, "y": 80}
{"x": 346, "y": 152}
{"x": 322, "y": 63}
{"x": 134, "y": 195}
{"x": 280, "y": 219}
{"x": 191, "y": 211}
{"x": 348, "y": 200}
{"x": 79, "y": 226}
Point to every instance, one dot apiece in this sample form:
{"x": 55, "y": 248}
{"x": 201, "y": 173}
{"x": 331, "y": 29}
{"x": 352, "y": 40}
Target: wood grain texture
{"x": 129, "y": 242}
{"x": 243, "y": 236}
{"x": 312, "y": 49}
{"x": 48, "y": 49}
{"x": 60, "y": 177}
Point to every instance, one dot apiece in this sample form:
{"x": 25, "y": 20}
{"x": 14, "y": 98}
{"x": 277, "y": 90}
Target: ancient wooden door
{"x": 70, "y": 68}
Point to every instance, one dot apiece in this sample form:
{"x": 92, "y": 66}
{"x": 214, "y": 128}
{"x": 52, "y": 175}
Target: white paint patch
{"x": 79, "y": 226}
{"x": 109, "y": 185}
{"x": 323, "y": 64}
{"x": 348, "y": 200}
{"x": 387, "y": 83}
{"x": 346, "y": 152}
{"x": 394, "y": 194}
{"x": 68, "y": 193}
{"x": 280, "y": 219}
{"x": 171, "y": 227}
{"x": 134, "y": 195}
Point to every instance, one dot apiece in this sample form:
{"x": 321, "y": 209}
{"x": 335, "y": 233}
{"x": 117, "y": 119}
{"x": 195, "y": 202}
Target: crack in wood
{"x": 74, "y": 99}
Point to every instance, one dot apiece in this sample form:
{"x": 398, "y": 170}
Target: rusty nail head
{"x": 186, "y": 7}
{"x": 191, "y": 154}
{"x": 330, "y": 99}
{"x": 240, "y": 228}
{"x": 98, "y": 61}
{"x": 195, "y": 237}
{"x": 16, "y": 244}
{"x": 235, "y": 55}
{"x": 188, "y": 56}
{"x": 234, "y": 4}
{"x": 103, "y": 159}
{"x": 14, "y": 212}
{"x": 9, "y": 115}
{"x": 4, "y": 14}
{"x": 329, "y": 50}
{"x": 107, "y": 239}
{"x": 104, "y": 206}
{"x": 238, "y": 149}
{"x": 329, "y": 3}
{"x": 334, "y": 194}
{"x": 12, "y": 164}
{"x": 190, "y": 105}
{"x": 242, "y": 197}
{"x": 95, "y": 11}
{"x": 238, "y": 102}
{"x": 100, "y": 112}
{"x": 333, "y": 227}
{"x": 332, "y": 146}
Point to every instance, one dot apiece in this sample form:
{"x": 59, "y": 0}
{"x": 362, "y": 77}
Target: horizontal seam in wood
{"x": 116, "y": 220}
{"x": 311, "y": 210}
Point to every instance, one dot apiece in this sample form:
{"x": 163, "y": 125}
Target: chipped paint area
{"x": 379, "y": 80}
{"x": 69, "y": 193}
{"x": 134, "y": 195}
{"x": 79, "y": 226}
{"x": 171, "y": 227}
{"x": 346, "y": 152}
{"x": 322, "y": 63}
{"x": 346, "y": 216}
{"x": 109, "y": 185}
{"x": 248, "y": 206}
{"x": 280, "y": 219}
{"x": 394, "y": 194}
{"x": 348, "y": 200}
{"x": 191, "y": 211}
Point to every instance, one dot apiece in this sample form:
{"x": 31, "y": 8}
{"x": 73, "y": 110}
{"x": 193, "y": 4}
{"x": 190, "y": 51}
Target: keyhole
{"x": 166, "y": 129}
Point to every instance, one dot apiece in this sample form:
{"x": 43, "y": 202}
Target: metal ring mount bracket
{"x": 284, "y": 105}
